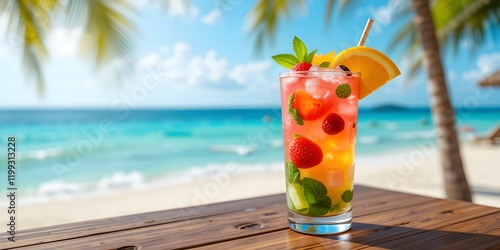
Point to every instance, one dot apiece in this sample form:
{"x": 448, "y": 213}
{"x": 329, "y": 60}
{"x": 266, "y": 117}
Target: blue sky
{"x": 202, "y": 56}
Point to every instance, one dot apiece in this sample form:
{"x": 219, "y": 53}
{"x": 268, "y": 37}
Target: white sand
{"x": 417, "y": 172}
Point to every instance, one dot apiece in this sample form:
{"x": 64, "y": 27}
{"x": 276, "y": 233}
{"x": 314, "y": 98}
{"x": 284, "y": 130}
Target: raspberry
{"x": 302, "y": 66}
{"x": 333, "y": 124}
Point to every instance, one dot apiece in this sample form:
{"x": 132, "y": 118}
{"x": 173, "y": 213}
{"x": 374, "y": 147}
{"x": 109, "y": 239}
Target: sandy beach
{"x": 416, "y": 171}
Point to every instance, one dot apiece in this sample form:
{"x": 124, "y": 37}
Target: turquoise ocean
{"x": 64, "y": 152}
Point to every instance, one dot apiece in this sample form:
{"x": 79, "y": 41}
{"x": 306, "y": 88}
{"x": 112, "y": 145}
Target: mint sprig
{"x": 320, "y": 208}
{"x": 294, "y": 112}
{"x": 300, "y": 49}
{"x": 301, "y": 55}
{"x": 315, "y": 193}
{"x": 309, "y": 57}
{"x": 346, "y": 196}
{"x": 335, "y": 207}
{"x": 286, "y": 60}
{"x": 314, "y": 190}
{"x": 343, "y": 90}
{"x": 292, "y": 172}
{"x": 324, "y": 64}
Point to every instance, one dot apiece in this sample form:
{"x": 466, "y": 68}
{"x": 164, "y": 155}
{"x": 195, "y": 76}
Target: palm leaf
{"x": 265, "y": 16}
{"x": 455, "y": 21}
{"x": 330, "y": 7}
{"x": 29, "y": 21}
{"x": 466, "y": 20}
{"x": 108, "y": 32}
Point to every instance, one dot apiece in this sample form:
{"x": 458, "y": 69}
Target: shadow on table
{"x": 401, "y": 237}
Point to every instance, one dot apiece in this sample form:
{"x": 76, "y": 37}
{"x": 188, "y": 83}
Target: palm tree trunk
{"x": 455, "y": 182}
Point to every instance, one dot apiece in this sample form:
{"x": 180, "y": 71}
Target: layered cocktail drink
{"x": 319, "y": 110}
{"x": 319, "y": 102}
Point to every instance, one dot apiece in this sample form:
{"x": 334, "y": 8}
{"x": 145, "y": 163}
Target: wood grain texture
{"x": 382, "y": 219}
{"x": 374, "y": 230}
{"x": 95, "y": 227}
{"x": 480, "y": 233}
{"x": 206, "y": 228}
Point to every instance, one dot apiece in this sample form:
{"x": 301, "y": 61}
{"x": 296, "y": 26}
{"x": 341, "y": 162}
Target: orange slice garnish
{"x": 321, "y": 58}
{"x": 376, "y": 68}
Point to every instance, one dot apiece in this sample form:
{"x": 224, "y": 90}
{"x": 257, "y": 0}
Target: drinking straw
{"x": 368, "y": 26}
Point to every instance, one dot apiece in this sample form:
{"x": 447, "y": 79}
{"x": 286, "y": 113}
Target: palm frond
{"x": 108, "y": 31}
{"x": 265, "y": 16}
{"x": 344, "y": 6}
{"x": 29, "y": 22}
{"x": 329, "y": 11}
{"x": 466, "y": 20}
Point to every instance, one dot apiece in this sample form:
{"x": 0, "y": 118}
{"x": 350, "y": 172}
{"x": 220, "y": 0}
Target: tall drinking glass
{"x": 319, "y": 111}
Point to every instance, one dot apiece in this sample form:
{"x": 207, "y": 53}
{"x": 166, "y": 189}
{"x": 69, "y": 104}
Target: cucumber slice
{"x": 296, "y": 194}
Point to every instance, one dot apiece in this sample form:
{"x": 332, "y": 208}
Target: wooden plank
{"x": 371, "y": 230}
{"x": 175, "y": 235}
{"x": 223, "y": 227}
{"x": 479, "y": 233}
{"x": 94, "y": 227}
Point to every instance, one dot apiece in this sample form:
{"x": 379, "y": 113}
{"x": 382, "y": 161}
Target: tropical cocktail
{"x": 319, "y": 100}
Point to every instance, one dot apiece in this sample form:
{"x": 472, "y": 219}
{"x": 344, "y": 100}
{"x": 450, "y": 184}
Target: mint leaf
{"x": 293, "y": 112}
{"x": 301, "y": 210}
{"x": 346, "y": 196}
{"x": 324, "y": 64}
{"x": 343, "y": 90}
{"x": 314, "y": 191}
{"x": 292, "y": 172}
{"x": 300, "y": 49}
{"x": 321, "y": 208}
{"x": 309, "y": 57}
{"x": 286, "y": 60}
{"x": 335, "y": 207}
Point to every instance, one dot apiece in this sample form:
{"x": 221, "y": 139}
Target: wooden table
{"x": 382, "y": 219}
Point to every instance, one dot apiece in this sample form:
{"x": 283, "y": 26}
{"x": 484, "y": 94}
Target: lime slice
{"x": 296, "y": 194}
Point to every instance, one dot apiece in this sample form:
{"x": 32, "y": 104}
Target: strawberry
{"x": 304, "y": 153}
{"x": 333, "y": 124}
{"x": 306, "y": 107}
{"x": 302, "y": 66}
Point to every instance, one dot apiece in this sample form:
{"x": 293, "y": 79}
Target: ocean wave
{"x": 235, "y": 149}
{"x": 411, "y": 135}
{"x": 120, "y": 180}
{"x": 369, "y": 139}
{"x": 123, "y": 181}
{"x": 41, "y": 154}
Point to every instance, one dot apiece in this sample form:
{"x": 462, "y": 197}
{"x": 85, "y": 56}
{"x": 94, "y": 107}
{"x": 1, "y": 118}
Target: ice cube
{"x": 315, "y": 68}
{"x": 348, "y": 107}
{"x": 286, "y": 82}
{"x": 317, "y": 88}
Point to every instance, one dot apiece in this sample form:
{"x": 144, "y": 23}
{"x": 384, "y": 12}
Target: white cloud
{"x": 203, "y": 68}
{"x": 486, "y": 64}
{"x": 182, "y": 8}
{"x": 212, "y": 17}
{"x": 64, "y": 43}
{"x": 251, "y": 72}
{"x": 181, "y": 68}
{"x": 148, "y": 61}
